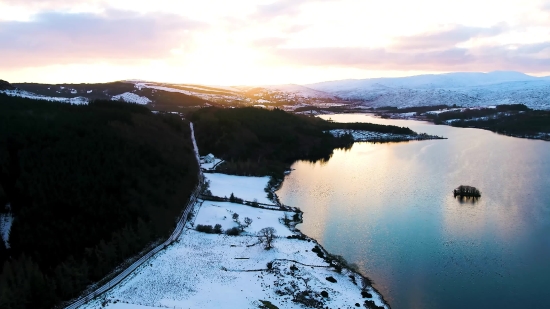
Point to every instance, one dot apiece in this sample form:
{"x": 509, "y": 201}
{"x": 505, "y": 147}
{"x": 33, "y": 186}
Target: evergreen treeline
{"x": 89, "y": 186}
{"x": 255, "y": 141}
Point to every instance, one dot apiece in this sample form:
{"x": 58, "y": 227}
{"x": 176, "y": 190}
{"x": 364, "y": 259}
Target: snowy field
{"x": 218, "y": 271}
{"x": 212, "y": 213}
{"x": 247, "y": 188}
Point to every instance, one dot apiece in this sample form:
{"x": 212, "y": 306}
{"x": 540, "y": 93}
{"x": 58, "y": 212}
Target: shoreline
{"x": 274, "y": 189}
{"x": 363, "y": 277}
{"x": 296, "y": 230}
{"x": 376, "y": 137}
{"x": 406, "y": 116}
{"x": 291, "y": 275}
{"x": 396, "y": 116}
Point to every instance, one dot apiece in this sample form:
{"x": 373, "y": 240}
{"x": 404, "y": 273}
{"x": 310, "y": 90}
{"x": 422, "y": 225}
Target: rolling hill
{"x": 464, "y": 89}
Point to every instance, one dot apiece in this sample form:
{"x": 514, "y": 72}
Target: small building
{"x": 209, "y": 158}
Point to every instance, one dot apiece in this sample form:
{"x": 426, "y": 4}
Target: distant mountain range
{"x": 133, "y": 92}
{"x": 463, "y": 89}
{"x": 169, "y": 97}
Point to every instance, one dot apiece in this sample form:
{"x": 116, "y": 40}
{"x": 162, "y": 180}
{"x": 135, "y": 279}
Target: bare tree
{"x": 267, "y": 236}
{"x": 247, "y": 222}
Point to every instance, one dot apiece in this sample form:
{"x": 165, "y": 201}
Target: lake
{"x": 389, "y": 208}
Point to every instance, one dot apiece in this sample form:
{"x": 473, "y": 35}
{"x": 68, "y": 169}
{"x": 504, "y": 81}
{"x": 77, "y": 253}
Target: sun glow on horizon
{"x": 268, "y": 42}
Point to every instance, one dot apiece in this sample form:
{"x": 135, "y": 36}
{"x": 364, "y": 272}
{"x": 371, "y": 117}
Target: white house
{"x": 209, "y": 158}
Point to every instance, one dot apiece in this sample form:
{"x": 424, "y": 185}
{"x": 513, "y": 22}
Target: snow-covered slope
{"x": 300, "y": 90}
{"x": 466, "y": 89}
{"x": 131, "y": 98}
{"x": 30, "y": 95}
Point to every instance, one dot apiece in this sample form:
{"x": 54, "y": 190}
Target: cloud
{"x": 61, "y": 38}
{"x": 527, "y": 58}
{"x": 447, "y": 38}
{"x": 49, "y": 4}
{"x": 269, "y": 42}
{"x": 281, "y": 8}
{"x": 278, "y": 8}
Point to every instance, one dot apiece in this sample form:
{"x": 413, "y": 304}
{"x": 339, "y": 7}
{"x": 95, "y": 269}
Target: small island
{"x": 466, "y": 191}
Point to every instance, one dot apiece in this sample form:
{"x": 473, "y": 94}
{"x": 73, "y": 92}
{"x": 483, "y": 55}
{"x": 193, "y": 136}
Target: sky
{"x": 242, "y": 42}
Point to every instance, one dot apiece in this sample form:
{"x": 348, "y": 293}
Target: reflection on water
{"x": 390, "y": 209}
{"x": 467, "y": 200}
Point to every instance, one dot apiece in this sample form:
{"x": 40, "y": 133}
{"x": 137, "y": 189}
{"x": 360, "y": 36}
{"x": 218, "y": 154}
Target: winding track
{"x": 175, "y": 235}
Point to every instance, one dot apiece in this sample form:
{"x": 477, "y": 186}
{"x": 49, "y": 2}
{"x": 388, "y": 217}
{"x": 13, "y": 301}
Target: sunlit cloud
{"x": 527, "y": 58}
{"x": 446, "y": 38}
{"x": 271, "y": 41}
{"x": 61, "y": 38}
{"x": 282, "y": 8}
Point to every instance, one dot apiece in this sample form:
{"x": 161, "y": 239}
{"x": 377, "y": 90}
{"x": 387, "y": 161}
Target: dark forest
{"x": 89, "y": 186}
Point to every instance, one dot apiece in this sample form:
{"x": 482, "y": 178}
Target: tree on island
{"x": 267, "y": 236}
{"x": 466, "y": 191}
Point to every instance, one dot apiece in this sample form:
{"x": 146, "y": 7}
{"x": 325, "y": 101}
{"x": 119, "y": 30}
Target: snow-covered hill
{"x": 30, "y": 95}
{"x": 300, "y": 91}
{"x": 131, "y": 98}
{"x": 132, "y": 92}
{"x": 466, "y": 89}
{"x": 173, "y": 97}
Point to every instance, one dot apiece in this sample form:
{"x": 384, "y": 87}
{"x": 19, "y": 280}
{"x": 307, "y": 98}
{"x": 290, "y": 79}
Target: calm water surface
{"x": 389, "y": 209}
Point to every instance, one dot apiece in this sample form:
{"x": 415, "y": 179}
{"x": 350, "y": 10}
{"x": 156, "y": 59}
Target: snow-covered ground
{"x": 212, "y": 165}
{"x": 195, "y": 147}
{"x": 214, "y": 95}
{"x": 131, "y": 98}
{"x": 464, "y": 89}
{"x": 212, "y": 213}
{"x": 163, "y": 88}
{"x": 299, "y": 90}
{"x": 437, "y": 112}
{"x": 202, "y": 270}
{"x": 246, "y": 188}
{"x": 367, "y": 136}
{"x": 218, "y": 271}
{"x": 30, "y": 95}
